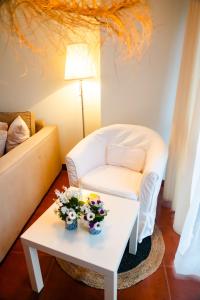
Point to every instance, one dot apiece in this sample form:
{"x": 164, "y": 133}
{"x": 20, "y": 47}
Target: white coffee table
{"x": 101, "y": 253}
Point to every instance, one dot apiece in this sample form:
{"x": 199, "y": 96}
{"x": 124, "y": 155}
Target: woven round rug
{"x": 132, "y": 269}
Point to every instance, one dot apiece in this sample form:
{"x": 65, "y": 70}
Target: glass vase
{"x": 94, "y": 231}
{"x": 72, "y": 226}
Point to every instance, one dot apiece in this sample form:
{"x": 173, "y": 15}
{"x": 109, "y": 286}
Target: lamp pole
{"x": 79, "y": 66}
{"x": 82, "y": 107}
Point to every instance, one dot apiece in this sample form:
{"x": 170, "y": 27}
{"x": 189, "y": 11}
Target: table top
{"x": 103, "y": 251}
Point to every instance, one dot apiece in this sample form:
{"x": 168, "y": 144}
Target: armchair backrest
{"x": 91, "y": 151}
{"x": 132, "y": 136}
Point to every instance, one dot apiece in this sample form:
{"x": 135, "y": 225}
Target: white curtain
{"x": 182, "y": 184}
{"x": 187, "y": 259}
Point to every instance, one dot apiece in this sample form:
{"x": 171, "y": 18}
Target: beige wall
{"x": 143, "y": 92}
{"x": 31, "y": 81}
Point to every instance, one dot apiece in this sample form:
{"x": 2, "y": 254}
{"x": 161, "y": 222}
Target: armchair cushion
{"x": 127, "y": 157}
{"x": 113, "y": 180}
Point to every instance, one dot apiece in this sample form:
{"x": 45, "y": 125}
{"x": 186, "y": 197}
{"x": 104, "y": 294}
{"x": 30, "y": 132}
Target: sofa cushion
{"x": 27, "y": 116}
{"x": 113, "y": 180}
{"x": 3, "y": 137}
{"x": 18, "y": 132}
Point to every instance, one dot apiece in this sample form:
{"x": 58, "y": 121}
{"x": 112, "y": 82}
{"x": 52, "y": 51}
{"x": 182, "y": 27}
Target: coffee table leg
{"x": 134, "y": 237}
{"x": 110, "y": 286}
{"x": 33, "y": 266}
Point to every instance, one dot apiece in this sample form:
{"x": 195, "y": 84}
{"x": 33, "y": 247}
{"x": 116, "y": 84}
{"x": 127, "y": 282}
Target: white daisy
{"x": 90, "y": 216}
{"x": 72, "y": 190}
{"x": 72, "y": 215}
{"x": 63, "y": 198}
{"x": 68, "y": 194}
{"x": 97, "y": 226}
{"x": 77, "y": 194}
{"x": 85, "y": 209}
{"x": 64, "y": 209}
{"x": 69, "y": 221}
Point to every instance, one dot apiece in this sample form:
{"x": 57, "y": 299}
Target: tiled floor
{"x": 162, "y": 285}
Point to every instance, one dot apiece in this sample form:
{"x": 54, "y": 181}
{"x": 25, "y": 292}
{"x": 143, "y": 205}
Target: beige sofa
{"x": 26, "y": 174}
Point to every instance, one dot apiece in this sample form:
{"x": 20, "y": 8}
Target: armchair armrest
{"x": 150, "y": 186}
{"x": 86, "y": 155}
{"x": 156, "y": 158}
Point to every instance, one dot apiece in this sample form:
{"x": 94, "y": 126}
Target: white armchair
{"x": 104, "y": 161}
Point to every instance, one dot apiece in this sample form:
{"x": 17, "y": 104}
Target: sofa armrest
{"x": 14, "y": 156}
{"x": 26, "y": 173}
{"x": 86, "y": 155}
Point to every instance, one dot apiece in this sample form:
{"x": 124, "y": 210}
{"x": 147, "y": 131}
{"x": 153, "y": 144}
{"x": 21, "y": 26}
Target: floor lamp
{"x": 79, "y": 66}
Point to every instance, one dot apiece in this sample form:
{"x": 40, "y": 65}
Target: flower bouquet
{"x": 94, "y": 213}
{"x": 69, "y": 206}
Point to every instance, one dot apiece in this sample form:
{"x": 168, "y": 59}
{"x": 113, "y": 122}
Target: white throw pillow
{"x": 124, "y": 156}
{"x": 18, "y": 132}
{"x": 3, "y": 137}
{"x": 3, "y": 126}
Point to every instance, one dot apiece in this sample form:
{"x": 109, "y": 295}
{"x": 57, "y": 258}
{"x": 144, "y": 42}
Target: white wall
{"x": 35, "y": 82}
{"x": 143, "y": 92}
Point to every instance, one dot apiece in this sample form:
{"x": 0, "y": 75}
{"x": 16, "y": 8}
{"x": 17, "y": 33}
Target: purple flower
{"x": 101, "y": 211}
{"x": 92, "y": 202}
{"x": 97, "y": 226}
{"x": 91, "y": 224}
{"x": 99, "y": 203}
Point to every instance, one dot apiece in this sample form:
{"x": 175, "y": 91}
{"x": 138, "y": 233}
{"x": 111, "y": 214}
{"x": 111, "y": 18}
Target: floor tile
{"x": 152, "y": 288}
{"x": 60, "y": 286}
{"x": 164, "y": 221}
{"x": 171, "y": 240}
{"x": 14, "y": 279}
{"x": 183, "y": 288}
{"x": 60, "y": 181}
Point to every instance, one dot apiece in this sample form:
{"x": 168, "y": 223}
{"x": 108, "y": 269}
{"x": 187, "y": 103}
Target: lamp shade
{"x": 78, "y": 62}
